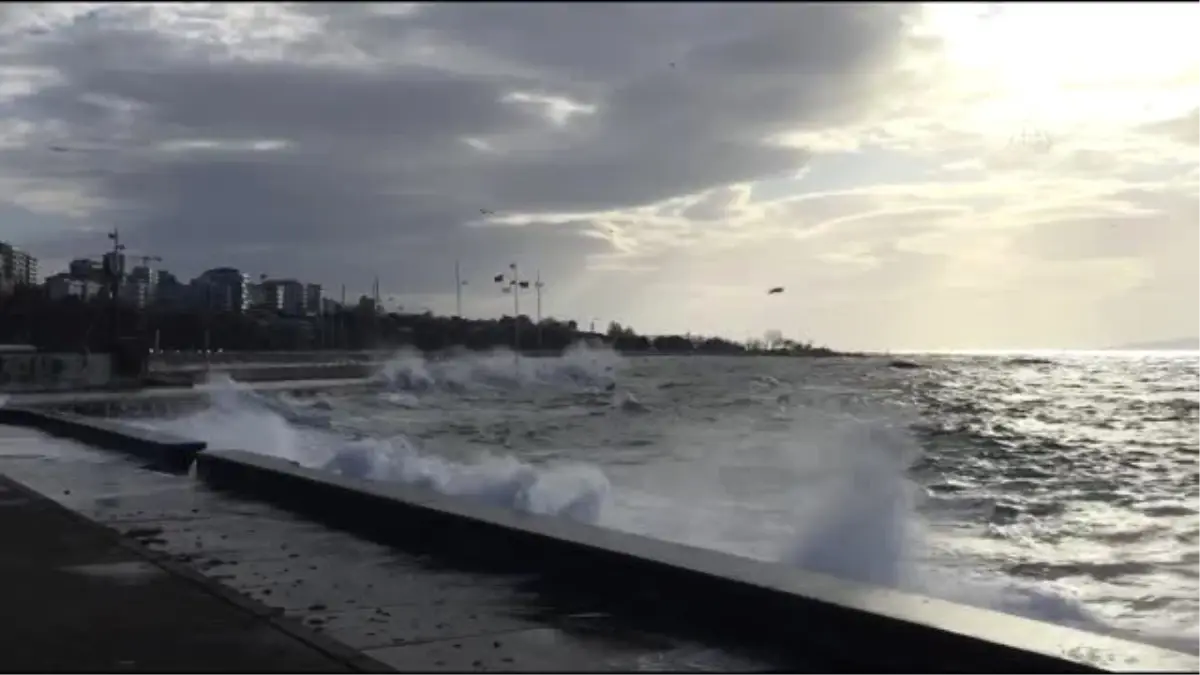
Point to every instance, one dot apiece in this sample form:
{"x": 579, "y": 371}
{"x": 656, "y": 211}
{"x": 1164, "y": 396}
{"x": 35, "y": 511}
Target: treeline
{"x": 70, "y": 324}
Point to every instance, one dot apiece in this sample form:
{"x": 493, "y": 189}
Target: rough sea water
{"x": 1062, "y": 488}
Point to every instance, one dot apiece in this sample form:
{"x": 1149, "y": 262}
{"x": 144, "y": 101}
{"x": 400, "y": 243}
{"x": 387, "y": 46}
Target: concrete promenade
{"x": 79, "y": 598}
{"x": 263, "y": 571}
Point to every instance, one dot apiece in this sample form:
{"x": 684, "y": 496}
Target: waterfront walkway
{"x": 79, "y": 598}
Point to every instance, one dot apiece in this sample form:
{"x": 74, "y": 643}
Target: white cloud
{"x": 916, "y": 176}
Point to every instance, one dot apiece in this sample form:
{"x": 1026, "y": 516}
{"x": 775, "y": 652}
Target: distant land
{"x": 1178, "y": 344}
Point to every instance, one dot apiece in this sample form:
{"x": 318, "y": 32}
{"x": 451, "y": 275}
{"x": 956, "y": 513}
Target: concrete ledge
{"x": 164, "y": 451}
{"x": 278, "y": 372}
{"x": 97, "y": 400}
{"x": 807, "y": 617}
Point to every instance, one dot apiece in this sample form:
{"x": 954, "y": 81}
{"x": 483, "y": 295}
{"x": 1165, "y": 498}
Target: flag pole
{"x": 457, "y": 290}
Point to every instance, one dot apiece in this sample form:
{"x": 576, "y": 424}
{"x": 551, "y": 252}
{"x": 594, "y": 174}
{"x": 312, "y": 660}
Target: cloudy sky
{"x": 956, "y": 176}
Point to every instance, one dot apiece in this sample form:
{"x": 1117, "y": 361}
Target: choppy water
{"x": 1064, "y": 490}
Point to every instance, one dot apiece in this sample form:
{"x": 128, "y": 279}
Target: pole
{"x": 457, "y": 290}
{"x": 114, "y": 286}
{"x": 516, "y": 286}
{"x": 537, "y": 288}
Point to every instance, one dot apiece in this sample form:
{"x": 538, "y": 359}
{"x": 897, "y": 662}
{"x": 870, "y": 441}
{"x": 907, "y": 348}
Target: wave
{"x": 831, "y": 495}
{"x": 241, "y": 418}
{"x": 578, "y": 366}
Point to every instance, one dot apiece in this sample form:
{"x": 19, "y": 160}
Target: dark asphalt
{"x": 79, "y": 598}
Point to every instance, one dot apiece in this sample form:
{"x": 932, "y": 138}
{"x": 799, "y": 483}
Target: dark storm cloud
{"x": 376, "y": 171}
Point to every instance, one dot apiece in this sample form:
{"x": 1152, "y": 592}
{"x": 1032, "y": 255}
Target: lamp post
{"x": 537, "y": 288}
{"x": 513, "y": 283}
{"x": 113, "y": 263}
{"x": 459, "y": 282}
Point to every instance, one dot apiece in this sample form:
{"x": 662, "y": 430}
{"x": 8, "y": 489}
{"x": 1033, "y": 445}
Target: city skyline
{"x": 916, "y": 176}
{"x": 277, "y": 288}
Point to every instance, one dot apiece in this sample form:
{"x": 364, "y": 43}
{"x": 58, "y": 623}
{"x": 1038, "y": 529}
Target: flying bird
{"x": 775, "y": 291}
{"x": 487, "y": 212}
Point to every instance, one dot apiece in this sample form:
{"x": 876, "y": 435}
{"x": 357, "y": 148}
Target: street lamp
{"x": 112, "y": 265}
{"x": 537, "y": 289}
{"x": 513, "y": 283}
{"x": 459, "y": 282}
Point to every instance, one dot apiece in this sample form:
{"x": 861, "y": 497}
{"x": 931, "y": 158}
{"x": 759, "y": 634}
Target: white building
{"x": 286, "y": 295}
{"x": 17, "y": 266}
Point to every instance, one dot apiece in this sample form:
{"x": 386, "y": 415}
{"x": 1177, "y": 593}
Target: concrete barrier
{"x": 163, "y": 451}
{"x": 166, "y": 400}
{"x": 175, "y": 359}
{"x": 805, "y": 617}
{"x": 24, "y": 372}
{"x": 293, "y": 371}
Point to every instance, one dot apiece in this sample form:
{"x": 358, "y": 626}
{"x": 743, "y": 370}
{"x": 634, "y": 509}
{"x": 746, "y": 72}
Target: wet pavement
{"x": 404, "y": 610}
{"x": 77, "y": 598}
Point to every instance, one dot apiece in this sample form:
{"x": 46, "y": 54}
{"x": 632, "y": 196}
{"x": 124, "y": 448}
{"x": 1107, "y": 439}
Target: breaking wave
{"x": 831, "y": 493}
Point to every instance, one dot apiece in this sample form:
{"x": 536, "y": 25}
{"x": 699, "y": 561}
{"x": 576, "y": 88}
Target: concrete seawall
{"x": 165, "y": 400}
{"x": 669, "y": 587}
{"x": 184, "y": 359}
{"x": 160, "y": 449}
{"x": 274, "y": 372}
{"x": 36, "y": 371}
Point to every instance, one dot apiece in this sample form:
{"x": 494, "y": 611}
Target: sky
{"x": 952, "y": 176}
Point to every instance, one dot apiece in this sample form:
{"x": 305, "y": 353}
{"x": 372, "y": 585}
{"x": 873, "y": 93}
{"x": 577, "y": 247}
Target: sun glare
{"x": 1064, "y": 65}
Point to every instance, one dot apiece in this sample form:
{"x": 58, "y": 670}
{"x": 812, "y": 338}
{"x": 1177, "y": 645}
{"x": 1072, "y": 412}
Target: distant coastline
{"x": 71, "y": 324}
{"x": 1188, "y": 344}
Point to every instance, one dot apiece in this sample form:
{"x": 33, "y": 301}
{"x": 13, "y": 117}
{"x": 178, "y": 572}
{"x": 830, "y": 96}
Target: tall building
{"x": 62, "y": 286}
{"x": 114, "y": 263}
{"x": 148, "y": 275}
{"x": 17, "y": 267}
{"x": 169, "y": 292}
{"x": 312, "y": 299}
{"x": 134, "y": 293}
{"x": 86, "y": 268}
{"x": 223, "y": 289}
{"x": 285, "y": 295}
{"x": 293, "y": 297}
{"x": 259, "y": 298}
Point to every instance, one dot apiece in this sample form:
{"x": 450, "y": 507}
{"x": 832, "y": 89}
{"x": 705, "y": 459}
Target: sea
{"x": 1059, "y": 486}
